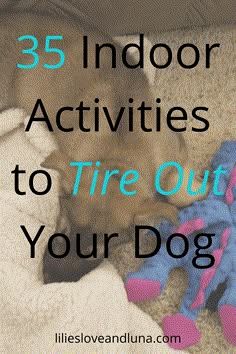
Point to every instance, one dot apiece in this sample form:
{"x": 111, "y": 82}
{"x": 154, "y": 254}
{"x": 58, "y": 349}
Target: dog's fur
{"x": 67, "y": 87}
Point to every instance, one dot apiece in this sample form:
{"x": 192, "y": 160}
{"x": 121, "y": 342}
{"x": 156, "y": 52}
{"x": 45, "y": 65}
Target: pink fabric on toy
{"x": 179, "y": 325}
{"x": 141, "y": 289}
{"x": 229, "y": 196}
{"x": 190, "y": 226}
{"x": 228, "y": 319}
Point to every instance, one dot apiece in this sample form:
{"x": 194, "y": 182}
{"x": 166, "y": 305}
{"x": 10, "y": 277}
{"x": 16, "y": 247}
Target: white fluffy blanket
{"x": 31, "y": 312}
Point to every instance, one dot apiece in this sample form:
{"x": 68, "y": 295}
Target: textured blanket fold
{"x": 31, "y": 313}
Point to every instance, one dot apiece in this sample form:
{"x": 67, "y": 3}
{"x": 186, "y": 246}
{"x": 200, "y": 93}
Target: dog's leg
{"x": 183, "y": 198}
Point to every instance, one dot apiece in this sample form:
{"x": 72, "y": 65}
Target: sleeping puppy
{"x": 70, "y": 85}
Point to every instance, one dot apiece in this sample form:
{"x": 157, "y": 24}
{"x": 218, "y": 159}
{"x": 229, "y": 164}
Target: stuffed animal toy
{"x": 214, "y": 215}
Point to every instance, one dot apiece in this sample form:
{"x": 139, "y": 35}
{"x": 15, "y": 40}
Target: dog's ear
{"x": 152, "y": 212}
{"x": 56, "y": 161}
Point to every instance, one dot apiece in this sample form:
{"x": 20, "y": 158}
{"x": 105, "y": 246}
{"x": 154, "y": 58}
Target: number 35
{"x": 32, "y": 51}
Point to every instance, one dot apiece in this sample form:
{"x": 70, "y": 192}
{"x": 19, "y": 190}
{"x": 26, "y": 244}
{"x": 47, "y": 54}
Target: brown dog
{"x": 70, "y": 85}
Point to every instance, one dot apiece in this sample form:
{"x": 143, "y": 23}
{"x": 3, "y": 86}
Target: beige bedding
{"x": 132, "y": 16}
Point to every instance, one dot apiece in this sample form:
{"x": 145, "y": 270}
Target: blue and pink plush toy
{"x": 214, "y": 215}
